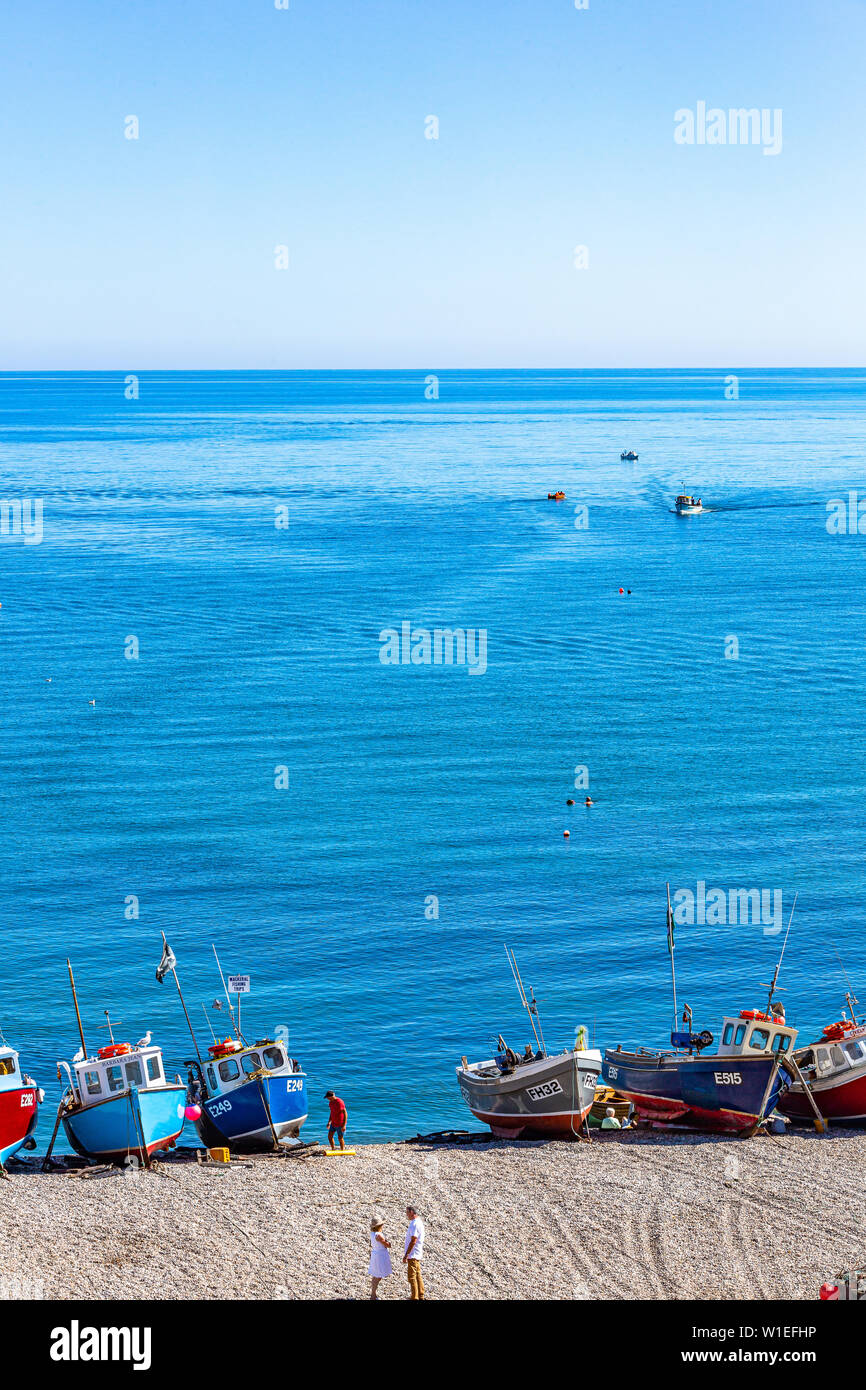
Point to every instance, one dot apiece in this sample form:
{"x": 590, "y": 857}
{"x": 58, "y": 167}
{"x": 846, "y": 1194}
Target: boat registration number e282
{"x": 549, "y": 1088}
{"x": 27, "y": 1098}
{"x": 728, "y": 1078}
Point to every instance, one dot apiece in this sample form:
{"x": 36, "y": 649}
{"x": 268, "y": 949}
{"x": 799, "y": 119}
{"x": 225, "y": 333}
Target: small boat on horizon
{"x": 20, "y": 1099}
{"x": 532, "y": 1093}
{"x": 628, "y": 454}
{"x": 118, "y": 1103}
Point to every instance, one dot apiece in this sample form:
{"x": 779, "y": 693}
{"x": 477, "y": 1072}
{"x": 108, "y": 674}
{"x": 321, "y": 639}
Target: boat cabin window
{"x": 211, "y": 1077}
{"x": 728, "y": 1034}
{"x": 781, "y": 1042}
{"x": 114, "y": 1077}
{"x": 228, "y": 1069}
{"x": 838, "y": 1055}
{"x": 133, "y": 1073}
{"x": 7, "y": 1066}
{"x": 274, "y": 1057}
{"x": 154, "y": 1072}
{"x": 822, "y": 1059}
{"x": 91, "y": 1081}
{"x": 759, "y": 1039}
{"x": 854, "y": 1050}
{"x": 251, "y": 1061}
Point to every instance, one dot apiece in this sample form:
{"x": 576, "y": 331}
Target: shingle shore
{"x": 637, "y": 1215}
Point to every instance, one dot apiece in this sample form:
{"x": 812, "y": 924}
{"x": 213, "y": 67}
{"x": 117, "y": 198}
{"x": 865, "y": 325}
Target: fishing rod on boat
{"x": 772, "y": 985}
{"x": 530, "y": 1004}
{"x": 209, "y": 1024}
{"x": 850, "y": 998}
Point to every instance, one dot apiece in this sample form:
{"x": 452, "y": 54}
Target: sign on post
{"x": 239, "y": 984}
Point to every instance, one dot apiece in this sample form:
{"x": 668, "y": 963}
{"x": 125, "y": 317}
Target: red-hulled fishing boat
{"x": 834, "y": 1069}
{"x": 19, "y": 1105}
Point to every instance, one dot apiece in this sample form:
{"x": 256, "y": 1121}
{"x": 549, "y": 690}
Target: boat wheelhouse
{"x": 251, "y": 1096}
{"x": 19, "y": 1106}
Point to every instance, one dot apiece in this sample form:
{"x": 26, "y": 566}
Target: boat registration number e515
{"x": 549, "y": 1088}
{"x": 728, "y": 1078}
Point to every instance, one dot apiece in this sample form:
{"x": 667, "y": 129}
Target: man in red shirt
{"x": 337, "y": 1120}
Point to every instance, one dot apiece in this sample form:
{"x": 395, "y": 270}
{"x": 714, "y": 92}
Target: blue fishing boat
{"x": 251, "y": 1096}
{"x": 247, "y": 1095}
{"x": 118, "y": 1104}
{"x": 731, "y": 1091}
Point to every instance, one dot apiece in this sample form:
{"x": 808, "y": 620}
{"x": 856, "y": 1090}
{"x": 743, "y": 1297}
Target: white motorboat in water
{"x": 687, "y": 505}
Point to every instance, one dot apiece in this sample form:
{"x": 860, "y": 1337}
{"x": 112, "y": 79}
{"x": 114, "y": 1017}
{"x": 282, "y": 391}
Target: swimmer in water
{"x": 588, "y": 801}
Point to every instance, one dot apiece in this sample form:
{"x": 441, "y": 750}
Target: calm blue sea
{"x": 259, "y": 650}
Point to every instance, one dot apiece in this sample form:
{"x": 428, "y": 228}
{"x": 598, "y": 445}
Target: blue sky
{"x": 305, "y": 127}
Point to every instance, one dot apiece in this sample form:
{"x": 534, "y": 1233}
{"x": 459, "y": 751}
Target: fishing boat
{"x": 533, "y": 1093}
{"x": 118, "y": 1103}
{"x": 732, "y": 1090}
{"x": 628, "y": 454}
{"x": 247, "y": 1096}
{"x": 833, "y": 1068}
{"x": 686, "y": 505}
{"x": 20, "y": 1099}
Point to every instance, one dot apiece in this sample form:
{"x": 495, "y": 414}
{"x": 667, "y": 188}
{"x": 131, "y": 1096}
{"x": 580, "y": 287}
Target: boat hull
{"x": 837, "y": 1098}
{"x": 549, "y": 1098}
{"x": 133, "y": 1122}
{"x": 239, "y": 1118}
{"x": 19, "y": 1109}
{"x": 688, "y": 511}
{"x": 725, "y": 1095}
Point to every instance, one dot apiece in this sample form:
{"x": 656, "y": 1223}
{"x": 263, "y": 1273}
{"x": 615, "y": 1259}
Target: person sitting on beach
{"x": 610, "y": 1121}
{"x": 380, "y": 1260}
{"x": 337, "y": 1120}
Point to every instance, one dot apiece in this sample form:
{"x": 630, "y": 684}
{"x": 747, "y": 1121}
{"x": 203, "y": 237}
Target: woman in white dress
{"x": 380, "y": 1260}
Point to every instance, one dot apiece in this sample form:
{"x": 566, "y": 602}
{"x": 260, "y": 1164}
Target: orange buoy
{"x": 566, "y": 834}
{"x": 569, "y": 802}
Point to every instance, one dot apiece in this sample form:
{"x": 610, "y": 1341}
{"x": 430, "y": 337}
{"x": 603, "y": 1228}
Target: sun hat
{"x": 376, "y": 1224}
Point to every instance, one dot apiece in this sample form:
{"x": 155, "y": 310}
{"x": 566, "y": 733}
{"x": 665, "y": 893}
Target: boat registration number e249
{"x": 728, "y": 1078}
{"x": 221, "y": 1108}
{"x": 549, "y": 1088}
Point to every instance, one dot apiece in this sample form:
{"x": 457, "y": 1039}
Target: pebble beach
{"x": 636, "y": 1215}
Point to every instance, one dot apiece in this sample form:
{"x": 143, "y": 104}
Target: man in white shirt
{"x": 414, "y": 1252}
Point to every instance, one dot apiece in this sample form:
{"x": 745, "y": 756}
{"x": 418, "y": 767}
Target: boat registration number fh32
{"x": 728, "y": 1078}
{"x": 548, "y": 1088}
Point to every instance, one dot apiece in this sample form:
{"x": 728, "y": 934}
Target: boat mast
{"x": 850, "y": 998}
{"x": 530, "y": 1004}
{"x": 671, "y": 951}
{"x": 173, "y": 969}
{"x": 77, "y": 1010}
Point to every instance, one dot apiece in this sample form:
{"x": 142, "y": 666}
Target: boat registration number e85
{"x": 728, "y": 1078}
{"x": 549, "y": 1088}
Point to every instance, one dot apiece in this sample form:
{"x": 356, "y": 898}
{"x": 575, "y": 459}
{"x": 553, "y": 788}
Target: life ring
{"x": 224, "y": 1048}
{"x": 114, "y": 1050}
{"x": 755, "y": 1013}
{"x": 833, "y": 1031}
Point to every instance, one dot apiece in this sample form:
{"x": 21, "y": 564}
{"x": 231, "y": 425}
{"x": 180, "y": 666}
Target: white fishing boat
{"x": 686, "y": 505}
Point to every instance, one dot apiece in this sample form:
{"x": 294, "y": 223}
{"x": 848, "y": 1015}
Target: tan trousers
{"x": 416, "y": 1283}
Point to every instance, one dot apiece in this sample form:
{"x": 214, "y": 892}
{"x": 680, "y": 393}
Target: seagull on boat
{"x": 79, "y": 1056}
{"x": 145, "y": 1041}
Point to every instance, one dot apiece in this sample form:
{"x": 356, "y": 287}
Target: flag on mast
{"x": 168, "y": 962}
